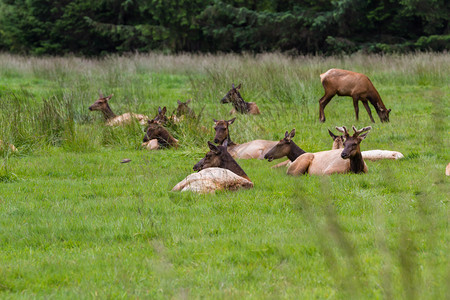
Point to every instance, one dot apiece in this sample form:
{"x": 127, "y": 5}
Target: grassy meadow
{"x": 76, "y": 223}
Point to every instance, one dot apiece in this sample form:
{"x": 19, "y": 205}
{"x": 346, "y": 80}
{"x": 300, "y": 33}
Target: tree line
{"x": 99, "y": 27}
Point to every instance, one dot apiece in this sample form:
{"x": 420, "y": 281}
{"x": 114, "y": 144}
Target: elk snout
{"x": 90, "y": 108}
{"x": 216, "y": 140}
{"x": 224, "y": 100}
{"x": 268, "y": 157}
{"x": 345, "y": 155}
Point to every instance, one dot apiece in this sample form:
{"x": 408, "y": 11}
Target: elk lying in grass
{"x": 157, "y": 136}
{"x": 217, "y": 171}
{"x": 344, "y": 160}
{"x": 111, "y": 118}
{"x": 7, "y": 147}
{"x": 238, "y": 102}
{"x": 356, "y": 85}
{"x": 184, "y": 110}
{"x": 371, "y": 155}
{"x": 254, "y": 149}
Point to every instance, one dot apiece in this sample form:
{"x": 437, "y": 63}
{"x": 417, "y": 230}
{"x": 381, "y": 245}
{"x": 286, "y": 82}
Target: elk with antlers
{"x": 356, "y": 85}
{"x": 111, "y": 118}
{"x": 371, "y": 155}
{"x": 238, "y": 102}
{"x": 253, "y": 149}
{"x": 326, "y": 162}
{"x": 217, "y": 171}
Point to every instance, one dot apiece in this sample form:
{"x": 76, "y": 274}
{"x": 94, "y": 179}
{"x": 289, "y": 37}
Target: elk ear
{"x": 159, "y": 110}
{"x": 332, "y": 134}
{"x": 231, "y": 121}
{"x": 215, "y": 121}
{"x": 188, "y": 101}
{"x": 286, "y": 134}
{"x": 179, "y": 102}
{"x": 389, "y": 110}
{"x": 213, "y": 148}
{"x": 239, "y": 86}
{"x": 100, "y": 93}
{"x": 292, "y": 133}
{"x": 164, "y": 110}
{"x": 109, "y": 97}
{"x": 232, "y": 86}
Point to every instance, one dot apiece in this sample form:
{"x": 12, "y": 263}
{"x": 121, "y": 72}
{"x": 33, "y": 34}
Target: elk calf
{"x": 157, "y": 136}
{"x": 111, "y": 118}
{"x": 356, "y": 85}
{"x": 238, "y": 102}
{"x": 217, "y": 171}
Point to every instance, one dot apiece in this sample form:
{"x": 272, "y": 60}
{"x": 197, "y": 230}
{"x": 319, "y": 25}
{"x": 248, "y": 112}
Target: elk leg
{"x": 366, "y": 105}
{"x": 301, "y": 164}
{"x": 322, "y": 103}
{"x": 356, "y": 106}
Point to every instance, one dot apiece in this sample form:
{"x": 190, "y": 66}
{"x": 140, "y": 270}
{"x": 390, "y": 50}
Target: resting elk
{"x": 356, "y": 85}
{"x": 329, "y": 162}
{"x": 157, "y": 136}
{"x": 184, "y": 110}
{"x": 111, "y": 118}
{"x": 371, "y": 155}
{"x": 253, "y": 149}
{"x": 217, "y": 171}
{"x": 238, "y": 102}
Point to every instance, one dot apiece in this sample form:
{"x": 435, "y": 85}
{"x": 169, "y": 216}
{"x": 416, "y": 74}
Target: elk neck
{"x": 357, "y": 163}
{"x": 295, "y": 152}
{"x": 228, "y": 162}
{"x": 108, "y": 113}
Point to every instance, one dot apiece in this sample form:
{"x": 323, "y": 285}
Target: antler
{"x": 358, "y": 132}
{"x": 342, "y": 129}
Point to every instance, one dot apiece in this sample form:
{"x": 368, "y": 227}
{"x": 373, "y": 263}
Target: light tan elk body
{"x": 356, "y": 85}
{"x": 254, "y": 149}
{"x": 329, "y": 162}
{"x": 239, "y": 104}
{"x": 111, "y": 118}
{"x": 370, "y": 155}
{"x": 217, "y": 171}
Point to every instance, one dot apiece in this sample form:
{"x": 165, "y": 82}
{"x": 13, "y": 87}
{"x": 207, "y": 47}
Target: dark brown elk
{"x": 161, "y": 117}
{"x": 371, "y": 155}
{"x": 157, "y": 136}
{"x": 111, "y": 118}
{"x": 216, "y": 171}
{"x": 184, "y": 110}
{"x": 356, "y": 85}
{"x": 329, "y": 162}
{"x": 238, "y": 102}
{"x": 253, "y": 149}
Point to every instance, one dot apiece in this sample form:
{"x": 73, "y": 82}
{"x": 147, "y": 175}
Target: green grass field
{"x": 76, "y": 223}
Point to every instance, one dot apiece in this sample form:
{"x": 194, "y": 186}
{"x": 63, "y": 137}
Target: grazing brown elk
{"x": 238, "y": 102}
{"x": 156, "y": 132}
{"x": 344, "y": 160}
{"x": 111, "y": 118}
{"x": 217, "y": 171}
{"x": 371, "y": 155}
{"x": 253, "y": 149}
{"x": 356, "y": 85}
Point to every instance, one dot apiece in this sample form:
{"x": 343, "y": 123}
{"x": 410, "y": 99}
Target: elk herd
{"x": 218, "y": 169}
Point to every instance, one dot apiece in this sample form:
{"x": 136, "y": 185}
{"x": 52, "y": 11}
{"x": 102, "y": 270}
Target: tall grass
{"x": 76, "y": 223}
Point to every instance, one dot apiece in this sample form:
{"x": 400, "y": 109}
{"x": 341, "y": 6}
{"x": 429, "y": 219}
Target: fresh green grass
{"x": 76, "y": 223}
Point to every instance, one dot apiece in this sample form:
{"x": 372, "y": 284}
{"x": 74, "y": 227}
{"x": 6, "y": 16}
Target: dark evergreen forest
{"x": 85, "y": 27}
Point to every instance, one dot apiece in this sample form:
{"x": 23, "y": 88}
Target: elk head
{"x": 161, "y": 118}
{"x": 282, "y": 149}
{"x": 383, "y": 113}
{"x": 351, "y": 144}
{"x": 183, "y": 108}
{"x": 213, "y": 158}
{"x": 232, "y": 94}
{"x": 101, "y": 104}
{"x": 222, "y": 132}
{"x": 338, "y": 140}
